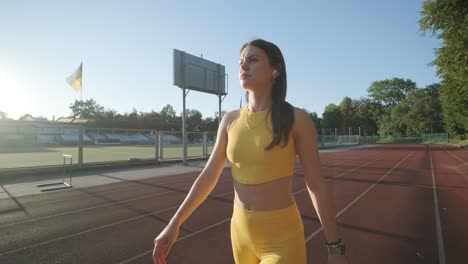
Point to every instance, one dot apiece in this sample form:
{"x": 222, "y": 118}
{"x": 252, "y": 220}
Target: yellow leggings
{"x": 268, "y": 237}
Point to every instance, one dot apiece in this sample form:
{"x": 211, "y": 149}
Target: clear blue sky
{"x": 332, "y": 49}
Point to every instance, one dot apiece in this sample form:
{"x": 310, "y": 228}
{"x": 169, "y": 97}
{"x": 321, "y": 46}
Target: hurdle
{"x": 67, "y": 173}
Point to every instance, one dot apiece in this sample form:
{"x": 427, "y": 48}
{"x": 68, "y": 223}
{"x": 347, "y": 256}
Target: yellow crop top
{"x": 248, "y": 136}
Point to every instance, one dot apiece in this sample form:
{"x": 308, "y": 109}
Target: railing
{"x": 39, "y": 145}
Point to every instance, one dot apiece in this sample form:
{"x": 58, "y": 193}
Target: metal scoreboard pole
{"x": 195, "y": 73}
{"x": 184, "y": 139}
{"x": 184, "y": 132}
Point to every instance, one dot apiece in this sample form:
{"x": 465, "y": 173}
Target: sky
{"x": 332, "y": 49}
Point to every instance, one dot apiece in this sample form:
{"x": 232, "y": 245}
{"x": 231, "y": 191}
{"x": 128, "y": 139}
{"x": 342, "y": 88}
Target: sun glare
{"x": 13, "y": 99}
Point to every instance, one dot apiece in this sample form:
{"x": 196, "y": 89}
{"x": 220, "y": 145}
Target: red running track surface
{"x": 389, "y": 211}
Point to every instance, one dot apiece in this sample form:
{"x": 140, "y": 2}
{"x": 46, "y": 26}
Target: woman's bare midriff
{"x": 268, "y": 196}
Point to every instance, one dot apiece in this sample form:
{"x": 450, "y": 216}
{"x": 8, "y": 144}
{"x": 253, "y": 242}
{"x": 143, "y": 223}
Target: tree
{"x": 168, "y": 118}
{"x": 390, "y": 92}
{"x": 454, "y": 102}
{"x": 26, "y": 117}
{"x": 447, "y": 19}
{"x": 317, "y": 120}
{"x": 436, "y": 116}
{"x": 216, "y": 114}
{"x": 367, "y": 114}
{"x": 151, "y": 119}
{"x": 168, "y": 111}
{"x": 418, "y": 114}
{"x": 210, "y": 124}
{"x": 347, "y": 113}
{"x": 331, "y": 116}
{"x": 194, "y": 120}
{"x": 86, "y": 109}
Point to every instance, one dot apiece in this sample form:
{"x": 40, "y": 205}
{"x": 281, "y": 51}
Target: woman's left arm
{"x": 319, "y": 191}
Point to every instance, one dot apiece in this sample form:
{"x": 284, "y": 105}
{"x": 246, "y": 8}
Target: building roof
{"x": 72, "y": 120}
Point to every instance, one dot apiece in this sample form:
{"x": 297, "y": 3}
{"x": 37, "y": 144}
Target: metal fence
{"x": 25, "y": 145}
{"x": 42, "y": 144}
{"x": 425, "y": 138}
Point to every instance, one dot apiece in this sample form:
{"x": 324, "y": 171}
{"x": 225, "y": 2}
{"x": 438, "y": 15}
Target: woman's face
{"x": 255, "y": 69}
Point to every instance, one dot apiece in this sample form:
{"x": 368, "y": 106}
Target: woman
{"x": 261, "y": 141}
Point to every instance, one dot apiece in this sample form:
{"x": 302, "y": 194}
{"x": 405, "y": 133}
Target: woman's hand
{"x": 163, "y": 243}
{"x": 337, "y": 259}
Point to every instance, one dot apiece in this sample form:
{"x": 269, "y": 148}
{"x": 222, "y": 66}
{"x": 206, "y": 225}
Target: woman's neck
{"x": 259, "y": 101}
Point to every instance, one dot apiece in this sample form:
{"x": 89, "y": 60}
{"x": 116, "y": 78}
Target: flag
{"x": 76, "y": 79}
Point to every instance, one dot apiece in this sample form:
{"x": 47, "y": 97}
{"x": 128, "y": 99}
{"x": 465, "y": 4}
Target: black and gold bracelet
{"x": 331, "y": 244}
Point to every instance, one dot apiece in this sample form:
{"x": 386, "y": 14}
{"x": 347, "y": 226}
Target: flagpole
{"x": 81, "y": 90}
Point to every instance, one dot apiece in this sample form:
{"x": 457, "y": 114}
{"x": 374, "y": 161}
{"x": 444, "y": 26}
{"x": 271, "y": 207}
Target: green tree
{"x": 419, "y": 116}
{"x": 210, "y": 124}
{"x": 151, "y": 119}
{"x": 448, "y": 21}
{"x": 367, "y": 114}
{"x": 390, "y": 92}
{"x": 169, "y": 120}
{"x": 86, "y": 109}
{"x": 435, "y": 114}
{"x": 454, "y": 100}
{"x": 168, "y": 111}
{"x": 194, "y": 120}
{"x": 331, "y": 116}
{"x": 317, "y": 120}
{"x": 419, "y": 113}
{"x": 26, "y": 117}
{"x": 347, "y": 113}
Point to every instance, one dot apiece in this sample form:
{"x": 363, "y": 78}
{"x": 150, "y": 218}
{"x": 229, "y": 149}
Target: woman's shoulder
{"x": 299, "y": 114}
{"x": 233, "y": 113}
{"x": 230, "y": 117}
{"x": 301, "y": 117}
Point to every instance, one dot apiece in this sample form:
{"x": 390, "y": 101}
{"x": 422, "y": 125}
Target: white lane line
{"x": 464, "y": 162}
{"x": 347, "y": 160}
{"x": 440, "y": 238}
{"x": 352, "y": 160}
{"x": 98, "y": 228}
{"x": 351, "y": 170}
{"x": 98, "y": 206}
{"x": 359, "y": 197}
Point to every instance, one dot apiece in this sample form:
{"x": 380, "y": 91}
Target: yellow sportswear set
{"x": 266, "y": 237}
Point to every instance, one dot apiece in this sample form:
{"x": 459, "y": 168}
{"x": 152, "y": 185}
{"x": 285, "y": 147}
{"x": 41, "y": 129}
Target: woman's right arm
{"x": 207, "y": 179}
{"x": 201, "y": 188}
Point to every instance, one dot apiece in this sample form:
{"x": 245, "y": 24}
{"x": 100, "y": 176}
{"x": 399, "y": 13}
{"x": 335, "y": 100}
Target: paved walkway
{"x": 27, "y": 185}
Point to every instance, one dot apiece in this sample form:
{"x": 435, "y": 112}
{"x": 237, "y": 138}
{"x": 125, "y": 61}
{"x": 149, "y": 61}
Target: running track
{"x": 395, "y": 204}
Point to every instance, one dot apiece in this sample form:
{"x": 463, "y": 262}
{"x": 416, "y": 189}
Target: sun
{"x": 12, "y": 95}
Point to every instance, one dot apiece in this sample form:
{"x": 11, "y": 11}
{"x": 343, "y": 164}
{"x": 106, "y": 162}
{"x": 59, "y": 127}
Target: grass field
{"x": 20, "y": 157}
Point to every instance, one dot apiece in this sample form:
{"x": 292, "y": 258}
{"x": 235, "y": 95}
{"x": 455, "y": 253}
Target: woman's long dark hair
{"x": 282, "y": 113}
